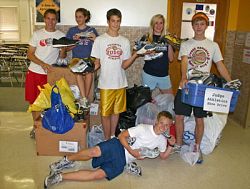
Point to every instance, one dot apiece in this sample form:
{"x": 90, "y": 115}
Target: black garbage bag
{"x": 126, "y": 120}
{"x": 137, "y": 96}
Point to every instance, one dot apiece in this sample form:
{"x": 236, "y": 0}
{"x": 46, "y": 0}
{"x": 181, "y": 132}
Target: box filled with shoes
{"x": 52, "y": 144}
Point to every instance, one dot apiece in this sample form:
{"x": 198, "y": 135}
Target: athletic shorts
{"x": 113, "y": 101}
{"x": 32, "y": 81}
{"x": 152, "y": 81}
{"x": 112, "y": 159}
{"x": 185, "y": 109}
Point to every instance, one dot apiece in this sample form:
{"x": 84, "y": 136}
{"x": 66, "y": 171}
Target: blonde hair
{"x": 153, "y": 21}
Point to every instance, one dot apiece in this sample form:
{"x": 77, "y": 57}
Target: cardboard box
{"x": 70, "y": 77}
{"x": 52, "y": 144}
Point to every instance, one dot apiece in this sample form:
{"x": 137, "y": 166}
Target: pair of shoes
{"x": 64, "y": 42}
{"x": 234, "y": 84}
{"x": 32, "y": 133}
{"x": 131, "y": 140}
{"x": 176, "y": 149}
{"x": 133, "y": 168}
{"x": 82, "y": 65}
{"x": 149, "y": 153}
{"x": 64, "y": 163}
{"x": 145, "y": 48}
{"x": 153, "y": 56}
{"x": 53, "y": 178}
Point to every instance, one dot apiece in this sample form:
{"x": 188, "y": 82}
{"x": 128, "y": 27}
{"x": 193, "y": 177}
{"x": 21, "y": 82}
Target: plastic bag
{"x": 95, "y": 136}
{"x": 137, "y": 96}
{"x": 188, "y": 155}
{"x": 165, "y": 102}
{"x": 57, "y": 119}
{"x": 213, "y": 127}
{"x": 147, "y": 114}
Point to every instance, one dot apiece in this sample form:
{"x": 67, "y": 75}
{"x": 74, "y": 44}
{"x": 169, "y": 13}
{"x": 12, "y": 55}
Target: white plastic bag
{"x": 188, "y": 155}
{"x": 213, "y": 127}
{"x": 95, "y": 135}
{"x": 165, "y": 102}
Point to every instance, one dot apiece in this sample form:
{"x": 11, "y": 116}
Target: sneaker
{"x": 32, "y": 133}
{"x": 152, "y": 56}
{"x": 131, "y": 141}
{"x": 83, "y": 66}
{"x": 176, "y": 149}
{"x": 133, "y": 168}
{"x": 61, "y": 164}
{"x": 194, "y": 74}
{"x": 64, "y": 42}
{"x": 166, "y": 134}
{"x": 174, "y": 41}
{"x": 200, "y": 159}
{"x": 149, "y": 153}
{"x": 145, "y": 48}
{"x": 52, "y": 179}
{"x": 84, "y": 35}
{"x": 83, "y": 102}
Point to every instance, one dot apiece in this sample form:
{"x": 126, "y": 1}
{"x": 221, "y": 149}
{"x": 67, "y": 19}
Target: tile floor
{"x": 228, "y": 167}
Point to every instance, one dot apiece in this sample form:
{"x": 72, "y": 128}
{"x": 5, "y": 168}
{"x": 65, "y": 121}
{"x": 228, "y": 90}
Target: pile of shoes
{"x": 61, "y": 62}
{"x": 64, "y": 42}
{"x": 79, "y": 65}
{"x": 234, "y": 84}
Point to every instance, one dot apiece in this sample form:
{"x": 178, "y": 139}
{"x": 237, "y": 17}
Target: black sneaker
{"x": 52, "y": 179}
{"x": 64, "y": 42}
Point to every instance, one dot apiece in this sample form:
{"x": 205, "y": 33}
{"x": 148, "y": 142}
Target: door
{"x": 175, "y": 25}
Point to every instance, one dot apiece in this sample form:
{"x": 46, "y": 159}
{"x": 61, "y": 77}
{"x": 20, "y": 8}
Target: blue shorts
{"x": 152, "y": 81}
{"x": 112, "y": 159}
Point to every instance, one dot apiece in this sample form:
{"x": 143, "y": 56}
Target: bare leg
{"x": 81, "y": 84}
{"x": 199, "y": 130}
{"x": 85, "y": 175}
{"x": 88, "y": 84}
{"x": 106, "y": 124}
{"x": 85, "y": 154}
{"x": 35, "y": 115}
{"x": 179, "y": 125}
{"x": 114, "y": 123}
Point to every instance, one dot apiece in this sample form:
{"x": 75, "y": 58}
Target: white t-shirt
{"x": 200, "y": 54}
{"x": 42, "y": 41}
{"x": 111, "y": 51}
{"x": 145, "y": 137}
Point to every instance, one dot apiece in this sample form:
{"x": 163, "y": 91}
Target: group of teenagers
{"x": 112, "y": 53}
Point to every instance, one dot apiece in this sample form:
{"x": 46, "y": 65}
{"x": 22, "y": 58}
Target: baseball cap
{"x": 200, "y": 16}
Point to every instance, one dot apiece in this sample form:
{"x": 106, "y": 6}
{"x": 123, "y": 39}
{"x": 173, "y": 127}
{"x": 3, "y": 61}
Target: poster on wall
{"x": 43, "y": 5}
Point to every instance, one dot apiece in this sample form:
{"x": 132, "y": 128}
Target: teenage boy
{"x": 110, "y": 157}
{"x": 113, "y": 56}
{"x": 198, "y": 53}
{"x": 42, "y": 55}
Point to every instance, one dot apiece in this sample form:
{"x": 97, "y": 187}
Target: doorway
{"x": 175, "y": 25}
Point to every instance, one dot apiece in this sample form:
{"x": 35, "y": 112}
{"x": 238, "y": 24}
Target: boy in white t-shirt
{"x": 113, "y": 56}
{"x": 198, "y": 53}
{"x": 42, "y": 55}
{"x": 110, "y": 157}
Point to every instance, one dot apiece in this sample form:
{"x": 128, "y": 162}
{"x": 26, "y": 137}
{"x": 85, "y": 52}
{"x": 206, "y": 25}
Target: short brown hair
{"x": 50, "y": 11}
{"x": 114, "y": 12}
{"x": 164, "y": 114}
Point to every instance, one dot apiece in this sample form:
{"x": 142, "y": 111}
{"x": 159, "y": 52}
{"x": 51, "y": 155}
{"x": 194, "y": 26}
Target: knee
{"x": 94, "y": 151}
{"x": 99, "y": 174}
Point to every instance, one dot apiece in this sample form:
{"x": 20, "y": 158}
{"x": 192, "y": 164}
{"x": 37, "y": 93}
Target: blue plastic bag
{"x": 57, "y": 119}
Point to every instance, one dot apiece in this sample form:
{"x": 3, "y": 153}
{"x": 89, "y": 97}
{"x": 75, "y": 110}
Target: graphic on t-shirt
{"x": 114, "y": 51}
{"x": 198, "y": 57}
{"x": 46, "y": 42}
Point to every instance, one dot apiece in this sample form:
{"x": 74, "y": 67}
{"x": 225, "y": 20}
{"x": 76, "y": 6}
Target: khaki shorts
{"x": 113, "y": 101}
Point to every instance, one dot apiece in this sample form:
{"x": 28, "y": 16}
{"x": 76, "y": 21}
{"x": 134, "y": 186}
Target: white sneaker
{"x": 176, "y": 149}
{"x": 133, "y": 168}
{"x": 52, "y": 179}
{"x": 83, "y": 35}
{"x": 61, "y": 164}
{"x": 144, "y": 49}
{"x": 149, "y": 153}
{"x": 83, "y": 102}
{"x": 152, "y": 56}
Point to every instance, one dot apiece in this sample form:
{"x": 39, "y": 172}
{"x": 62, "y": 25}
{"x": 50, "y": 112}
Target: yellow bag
{"x": 43, "y": 100}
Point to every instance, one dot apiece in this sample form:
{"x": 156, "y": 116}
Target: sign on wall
{"x": 43, "y": 5}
